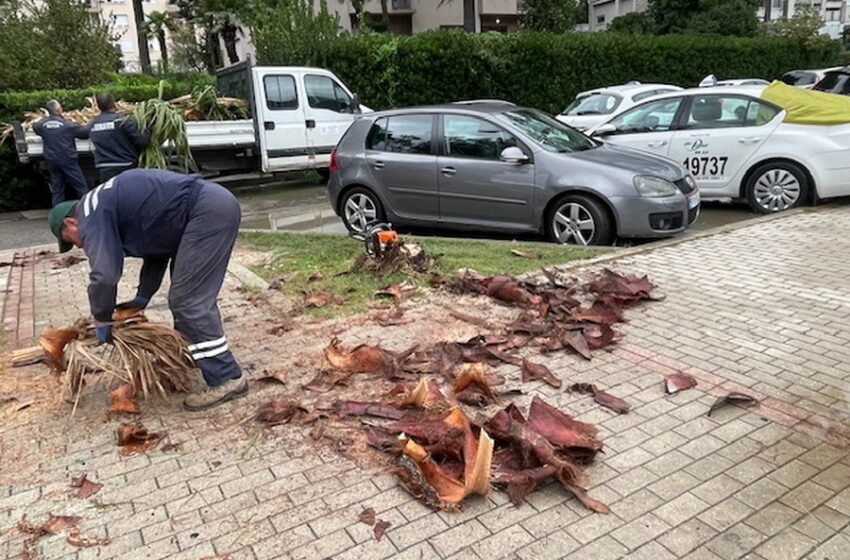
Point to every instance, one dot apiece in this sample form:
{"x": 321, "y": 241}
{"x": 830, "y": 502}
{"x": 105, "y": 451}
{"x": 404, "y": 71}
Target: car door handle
{"x": 749, "y": 139}
{"x": 448, "y": 171}
{"x": 378, "y": 165}
{"x": 268, "y": 125}
{"x": 658, "y": 143}
{"x": 310, "y": 123}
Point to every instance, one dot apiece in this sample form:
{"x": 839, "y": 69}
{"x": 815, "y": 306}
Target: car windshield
{"x": 799, "y": 78}
{"x": 594, "y": 104}
{"x": 550, "y": 134}
{"x": 835, "y": 82}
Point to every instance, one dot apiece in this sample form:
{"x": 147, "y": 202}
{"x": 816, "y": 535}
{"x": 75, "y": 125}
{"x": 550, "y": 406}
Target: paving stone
{"x": 725, "y": 514}
{"x": 452, "y": 540}
{"x": 773, "y": 518}
{"x": 555, "y": 545}
{"x": 679, "y": 510}
{"x": 735, "y": 542}
{"x": 686, "y": 537}
{"x": 806, "y": 497}
{"x": 787, "y": 545}
{"x": 639, "y": 531}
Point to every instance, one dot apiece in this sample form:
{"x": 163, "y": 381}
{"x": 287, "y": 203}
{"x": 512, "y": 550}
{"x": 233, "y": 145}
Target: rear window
{"x": 594, "y": 104}
{"x": 835, "y": 82}
{"x": 280, "y": 93}
{"x": 799, "y": 78}
{"x": 405, "y": 134}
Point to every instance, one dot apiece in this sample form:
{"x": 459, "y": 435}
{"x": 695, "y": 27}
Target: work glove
{"x": 104, "y": 333}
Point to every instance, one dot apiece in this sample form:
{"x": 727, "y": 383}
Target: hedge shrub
{"x": 543, "y": 70}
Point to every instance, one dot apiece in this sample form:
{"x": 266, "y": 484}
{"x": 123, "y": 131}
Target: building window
{"x": 600, "y": 19}
{"x": 120, "y": 20}
{"x": 126, "y": 46}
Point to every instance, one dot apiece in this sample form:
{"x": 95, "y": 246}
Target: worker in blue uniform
{"x": 162, "y": 216}
{"x": 117, "y": 140}
{"x": 60, "y": 152}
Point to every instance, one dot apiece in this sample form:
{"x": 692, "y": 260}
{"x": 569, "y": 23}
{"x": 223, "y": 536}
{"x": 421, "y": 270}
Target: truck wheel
{"x": 580, "y": 220}
{"x": 774, "y": 187}
{"x": 361, "y": 207}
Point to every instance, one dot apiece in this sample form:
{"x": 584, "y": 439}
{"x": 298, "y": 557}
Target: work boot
{"x": 214, "y": 396}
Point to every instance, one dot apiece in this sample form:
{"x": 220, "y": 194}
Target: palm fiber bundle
{"x": 148, "y": 355}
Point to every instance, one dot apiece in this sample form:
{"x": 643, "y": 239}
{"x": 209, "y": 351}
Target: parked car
{"x": 807, "y": 79}
{"x": 595, "y": 106}
{"x": 835, "y": 81}
{"x": 743, "y": 82}
{"x": 737, "y": 146}
{"x": 499, "y": 167}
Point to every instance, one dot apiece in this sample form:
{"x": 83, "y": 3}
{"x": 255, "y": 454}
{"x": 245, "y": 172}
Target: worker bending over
{"x": 161, "y": 216}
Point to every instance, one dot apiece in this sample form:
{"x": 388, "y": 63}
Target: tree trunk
{"x": 469, "y": 16}
{"x": 385, "y": 15}
{"x": 141, "y": 37}
{"x": 163, "y": 48}
{"x": 228, "y": 35}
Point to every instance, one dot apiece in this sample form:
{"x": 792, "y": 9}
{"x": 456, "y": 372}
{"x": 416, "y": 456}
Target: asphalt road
{"x": 297, "y": 207}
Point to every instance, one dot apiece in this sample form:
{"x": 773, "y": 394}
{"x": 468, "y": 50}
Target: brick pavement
{"x": 762, "y": 309}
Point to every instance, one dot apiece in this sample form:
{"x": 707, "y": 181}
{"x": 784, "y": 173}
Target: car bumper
{"x": 655, "y": 217}
{"x": 334, "y": 188}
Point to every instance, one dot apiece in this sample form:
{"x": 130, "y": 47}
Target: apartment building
{"x": 120, "y": 14}
{"x": 412, "y": 16}
{"x": 600, "y": 13}
{"x": 835, "y": 13}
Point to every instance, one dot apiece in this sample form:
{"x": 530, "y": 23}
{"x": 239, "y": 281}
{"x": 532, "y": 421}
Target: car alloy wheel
{"x": 572, "y": 223}
{"x": 777, "y": 190}
{"x": 360, "y": 210}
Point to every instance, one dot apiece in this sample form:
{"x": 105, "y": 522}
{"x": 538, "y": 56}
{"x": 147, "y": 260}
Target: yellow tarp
{"x": 805, "y": 106}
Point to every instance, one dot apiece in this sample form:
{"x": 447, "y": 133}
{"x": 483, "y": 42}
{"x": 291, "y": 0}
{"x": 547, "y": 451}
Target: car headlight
{"x": 654, "y": 186}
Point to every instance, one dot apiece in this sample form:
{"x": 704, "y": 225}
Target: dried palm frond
{"x": 149, "y": 356}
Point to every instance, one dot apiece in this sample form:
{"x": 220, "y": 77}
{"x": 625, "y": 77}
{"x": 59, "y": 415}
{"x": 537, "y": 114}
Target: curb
{"x": 664, "y": 243}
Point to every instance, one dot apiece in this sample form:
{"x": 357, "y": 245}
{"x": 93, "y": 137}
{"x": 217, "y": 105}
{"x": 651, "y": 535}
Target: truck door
{"x": 328, "y": 114}
{"x": 280, "y": 116}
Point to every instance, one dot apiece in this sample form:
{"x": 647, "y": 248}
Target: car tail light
{"x": 333, "y": 165}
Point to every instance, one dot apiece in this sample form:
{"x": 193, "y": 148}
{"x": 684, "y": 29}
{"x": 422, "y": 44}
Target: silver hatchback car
{"x": 498, "y": 167}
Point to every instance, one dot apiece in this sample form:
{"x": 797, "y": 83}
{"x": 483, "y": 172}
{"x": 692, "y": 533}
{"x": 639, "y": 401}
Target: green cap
{"x": 56, "y": 218}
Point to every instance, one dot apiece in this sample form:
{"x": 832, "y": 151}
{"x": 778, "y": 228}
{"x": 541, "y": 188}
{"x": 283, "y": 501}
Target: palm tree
{"x": 141, "y": 37}
{"x": 155, "y": 27}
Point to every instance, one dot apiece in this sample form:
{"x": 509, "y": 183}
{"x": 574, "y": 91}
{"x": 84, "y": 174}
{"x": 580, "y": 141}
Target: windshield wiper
{"x": 588, "y": 112}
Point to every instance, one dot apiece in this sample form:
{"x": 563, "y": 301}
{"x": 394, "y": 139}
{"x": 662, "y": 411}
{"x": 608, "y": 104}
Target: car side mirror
{"x": 604, "y": 130}
{"x": 513, "y": 154}
{"x": 355, "y": 104}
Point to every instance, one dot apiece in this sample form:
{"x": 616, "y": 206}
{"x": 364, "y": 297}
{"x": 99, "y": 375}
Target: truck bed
{"x": 202, "y": 135}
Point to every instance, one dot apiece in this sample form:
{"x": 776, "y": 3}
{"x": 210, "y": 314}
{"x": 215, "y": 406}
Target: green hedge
{"x": 129, "y": 88}
{"x": 543, "y": 70}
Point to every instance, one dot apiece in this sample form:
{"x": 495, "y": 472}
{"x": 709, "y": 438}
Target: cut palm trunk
{"x": 26, "y": 356}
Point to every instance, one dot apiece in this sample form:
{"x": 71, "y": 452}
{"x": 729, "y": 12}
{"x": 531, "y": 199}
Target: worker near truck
{"x": 162, "y": 216}
{"x": 117, "y": 140}
{"x": 60, "y": 152}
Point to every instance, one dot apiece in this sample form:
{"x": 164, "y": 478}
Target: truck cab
{"x": 299, "y": 113}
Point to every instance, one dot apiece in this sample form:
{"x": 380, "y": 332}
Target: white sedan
{"x": 738, "y": 146}
{"x": 595, "y": 106}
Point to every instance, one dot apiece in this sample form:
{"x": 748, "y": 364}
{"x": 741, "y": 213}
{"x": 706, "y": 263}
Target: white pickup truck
{"x": 299, "y": 114}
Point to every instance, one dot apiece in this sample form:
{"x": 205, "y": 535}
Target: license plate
{"x": 693, "y": 201}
